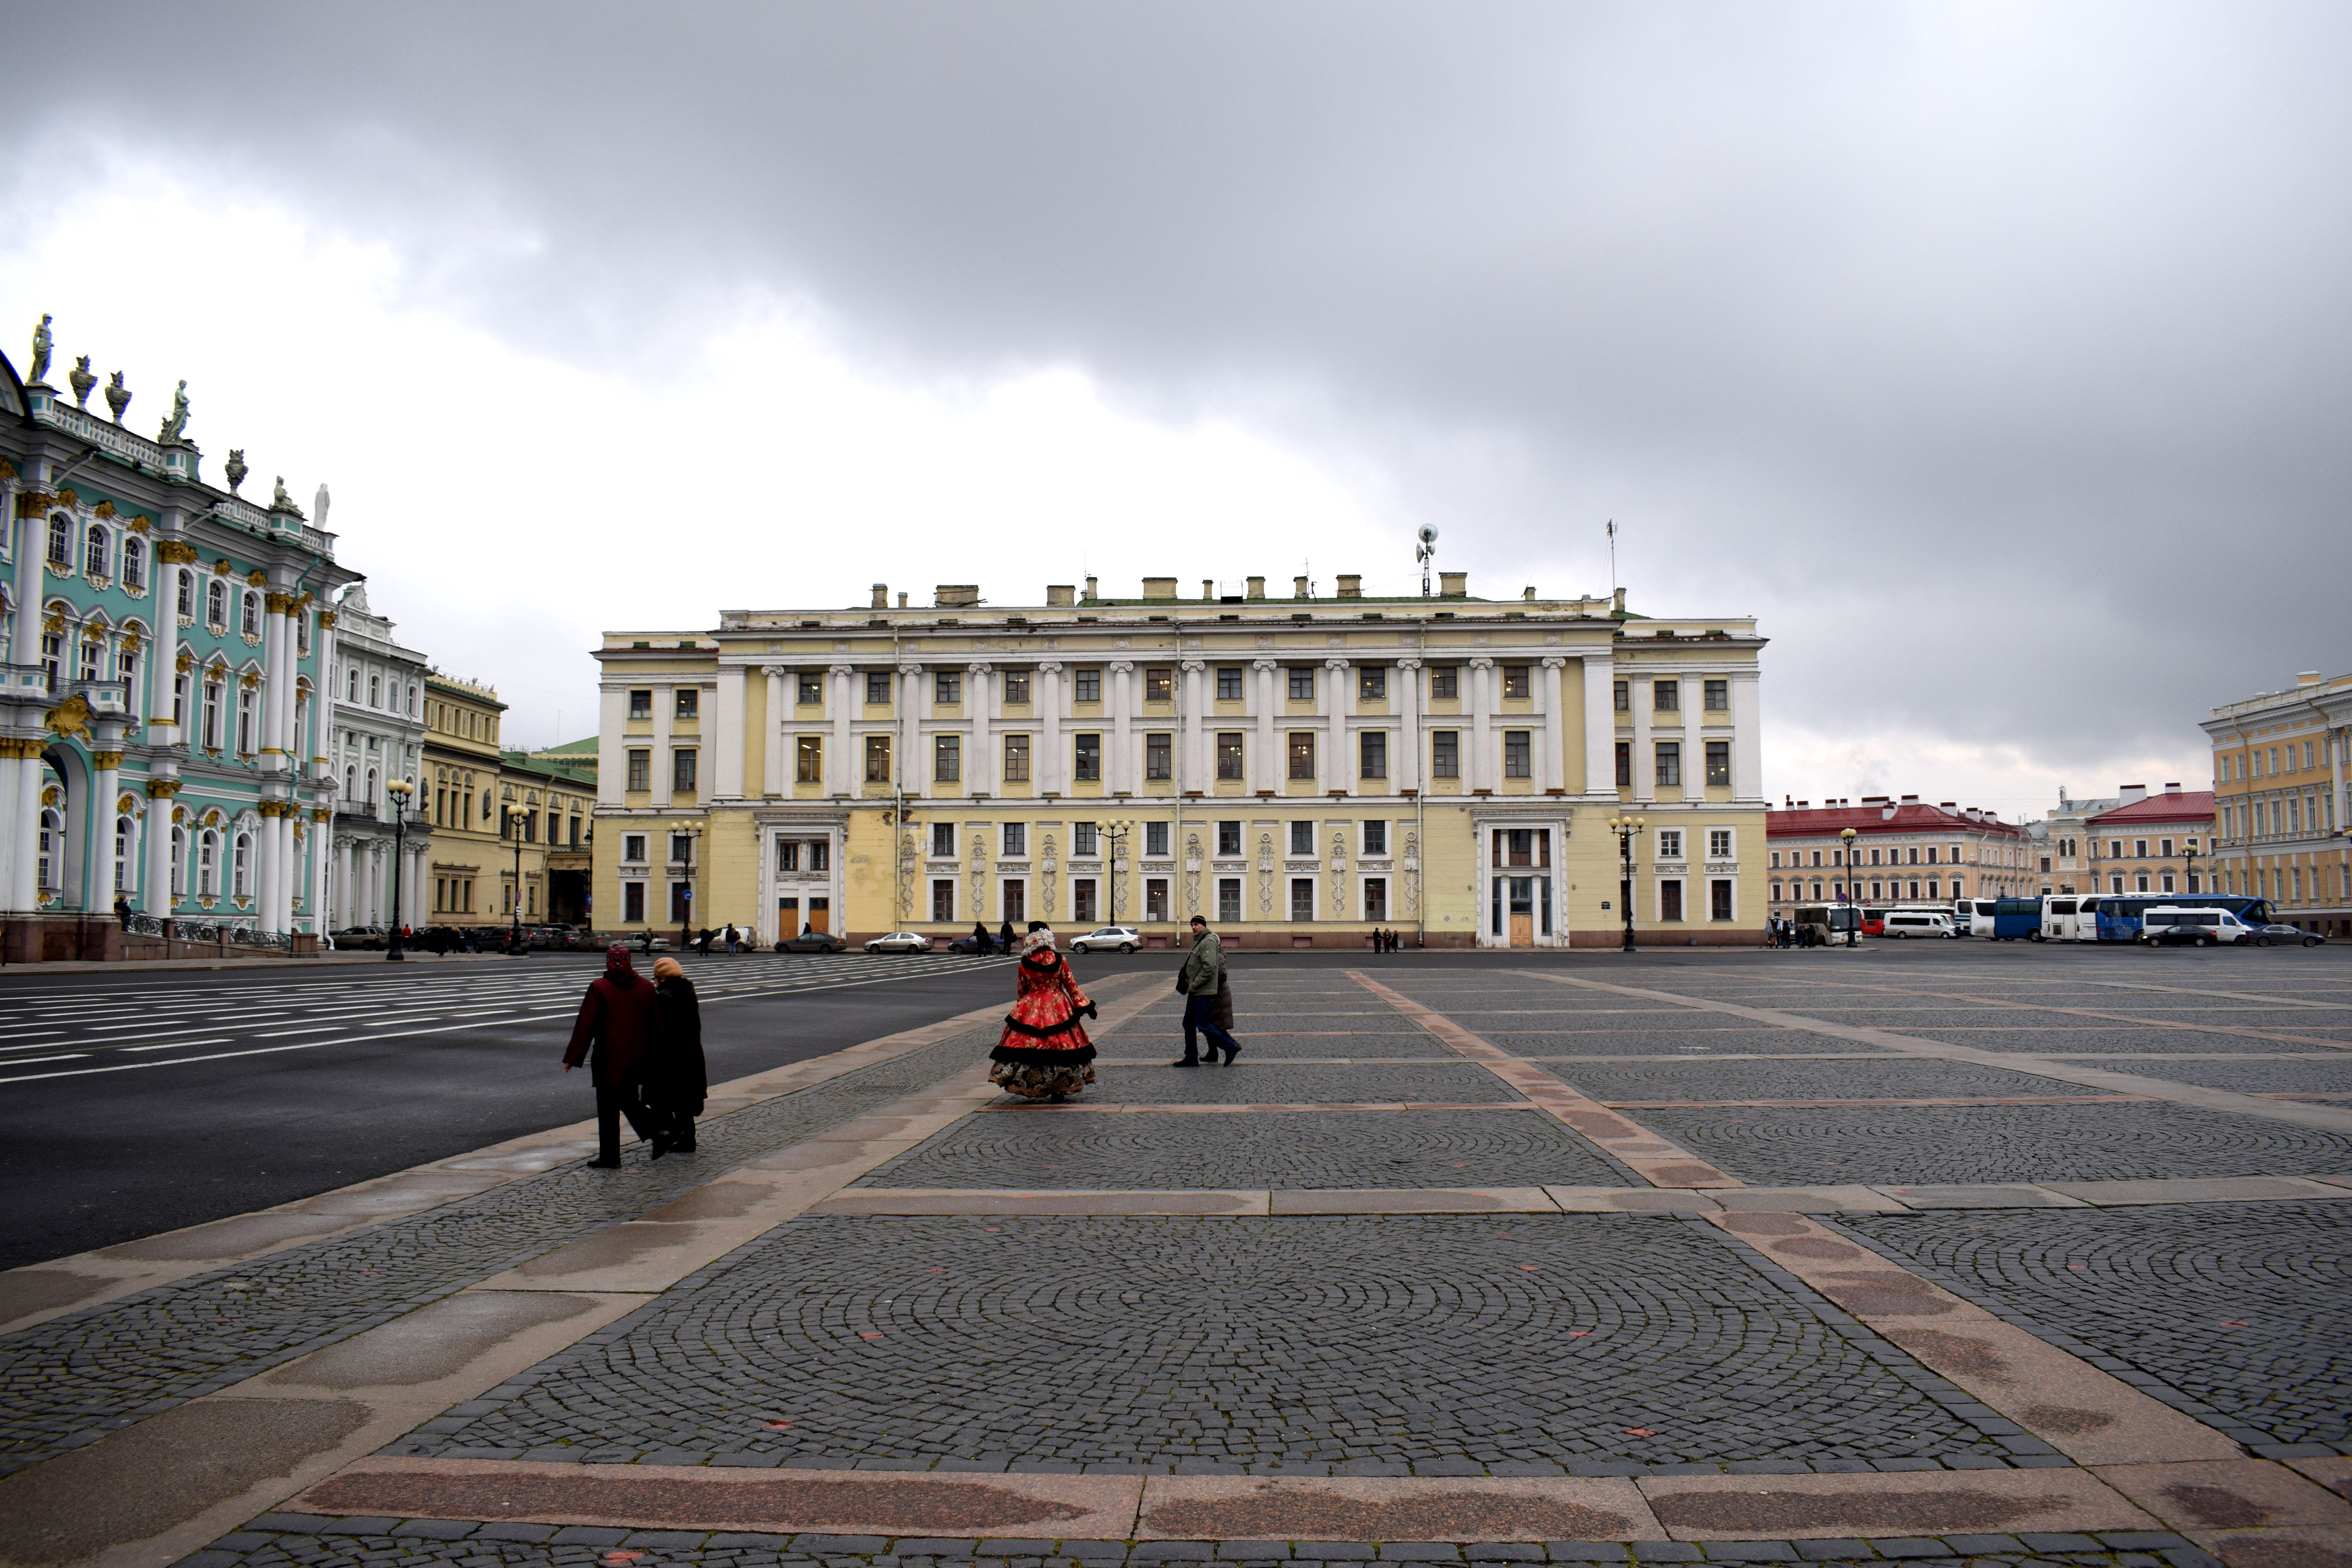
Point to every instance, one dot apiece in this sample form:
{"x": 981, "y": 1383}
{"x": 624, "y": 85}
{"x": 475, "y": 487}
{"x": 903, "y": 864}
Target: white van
{"x": 2205, "y": 927}
{"x": 1916, "y": 922}
{"x": 2065, "y": 918}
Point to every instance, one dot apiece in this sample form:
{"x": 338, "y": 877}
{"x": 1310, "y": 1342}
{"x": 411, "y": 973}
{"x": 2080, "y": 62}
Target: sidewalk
{"x": 259, "y": 961}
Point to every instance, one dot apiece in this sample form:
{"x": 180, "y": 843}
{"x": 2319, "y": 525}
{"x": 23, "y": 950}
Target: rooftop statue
{"x": 175, "y": 423}
{"x": 318, "y": 506}
{"x": 40, "y": 350}
{"x": 279, "y": 499}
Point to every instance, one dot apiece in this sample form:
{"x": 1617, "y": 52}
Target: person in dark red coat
{"x": 619, "y": 1025}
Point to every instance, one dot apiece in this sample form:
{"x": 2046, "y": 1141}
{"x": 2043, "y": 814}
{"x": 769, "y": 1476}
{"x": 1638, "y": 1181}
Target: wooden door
{"x": 788, "y": 918}
{"x": 1523, "y": 931}
{"x": 820, "y": 916}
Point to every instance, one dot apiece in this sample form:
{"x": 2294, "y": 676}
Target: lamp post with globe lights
{"x": 399, "y": 789}
{"x": 1853, "y": 931}
{"x": 1626, "y": 828}
{"x": 1116, "y": 856}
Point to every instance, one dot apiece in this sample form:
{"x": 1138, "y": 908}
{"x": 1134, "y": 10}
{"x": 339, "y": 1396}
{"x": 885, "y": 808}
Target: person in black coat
{"x": 675, "y": 1080}
{"x": 1008, "y": 937}
{"x": 982, "y": 944}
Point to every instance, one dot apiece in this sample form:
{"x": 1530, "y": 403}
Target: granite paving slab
{"x": 1878, "y": 1079}
{"x": 1249, "y": 1082}
{"x": 1165, "y": 1047}
{"x": 1714, "y": 1039}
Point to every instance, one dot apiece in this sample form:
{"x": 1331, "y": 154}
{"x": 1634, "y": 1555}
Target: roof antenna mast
{"x": 1612, "y": 557}
{"x": 1426, "y": 552}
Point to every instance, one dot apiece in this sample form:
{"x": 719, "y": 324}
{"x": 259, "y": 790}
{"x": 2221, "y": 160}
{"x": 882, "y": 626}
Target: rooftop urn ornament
{"x": 236, "y": 468}
{"x": 118, "y": 396}
{"x": 83, "y": 379}
{"x": 175, "y": 423}
{"x": 41, "y": 344}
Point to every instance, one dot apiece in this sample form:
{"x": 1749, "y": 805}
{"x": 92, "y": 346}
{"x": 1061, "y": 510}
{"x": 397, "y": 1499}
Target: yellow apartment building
{"x": 2280, "y": 805}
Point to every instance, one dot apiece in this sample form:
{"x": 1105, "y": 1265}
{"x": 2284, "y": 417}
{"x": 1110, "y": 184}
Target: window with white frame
{"x": 94, "y": 552}
{"x": 1718, "y": 844}
{"x": 1670, "y": 844}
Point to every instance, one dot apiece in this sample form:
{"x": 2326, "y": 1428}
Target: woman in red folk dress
{"x": 1045, "y": 1054}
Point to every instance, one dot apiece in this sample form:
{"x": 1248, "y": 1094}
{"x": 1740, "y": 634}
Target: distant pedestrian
{"x": 982, "y": 942}
{"x": 616, "y": 1029}
{"x": 1044, "y": 1052}
{"x": 1201, "y": 984}
{"x": 122, "y": 910}
{"x": 734, "y": 942}
{"x": 646, "y": 940}
{"x": 676, "y": 1083}
{"x": 1006, "y": 936}
{"x": 702, "y": 942}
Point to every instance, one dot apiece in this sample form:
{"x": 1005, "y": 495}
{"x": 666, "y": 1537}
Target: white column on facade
{"x": 290, "y": 851}
{"x": 979, "y": 773}
{"x": 1600, "y": 725}
{"x": 1124, "y": 771}
{"x": 613, "y": 743}
{"x": 914, "y": 706}
{"x": 163, "y": 648}
{"x": 1192, "y": 773}
{"x": 664, "y": 709}
{"x": 322, "y": 703}
{"x": 1644, "y": 766}
{"x": 1747, "y": 738}
{"x": 1482, "y": 722}
{"x": 846, "y": 770}
{"x": 156, "y": 897}
{"x": 105, "y": 797}
{"x": 1336, "y": 769}
{"x": 728, "y": 782}
{"x": 1053, "y": 771}
{"x": 26, "y": 894}
{"x": 1555, "y": 767}
{"x": 775, "y": 753}
{"x": 1266, "y": 766}
{"x": 413, "y": 896}
{"x": 1407, "y": 762}
{"x": 344, "y": 896}
{"x": 322, "y": 839}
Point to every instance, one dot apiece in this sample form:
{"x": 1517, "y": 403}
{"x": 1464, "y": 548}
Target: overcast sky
{"x": 1998, "y": 357}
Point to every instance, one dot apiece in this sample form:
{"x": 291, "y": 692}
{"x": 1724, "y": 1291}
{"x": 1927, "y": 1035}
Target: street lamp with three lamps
{"x": 400, "y": 790}
{"x": 1852, "y": 889}
{"x": 1626, "y": 828}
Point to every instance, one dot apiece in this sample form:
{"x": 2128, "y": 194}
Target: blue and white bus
{"x": 2119, "y": 917}
{"x": 2005, "y": 919}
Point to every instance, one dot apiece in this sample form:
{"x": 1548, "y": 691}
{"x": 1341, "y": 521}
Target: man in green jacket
{"x": 1203, "y": 977}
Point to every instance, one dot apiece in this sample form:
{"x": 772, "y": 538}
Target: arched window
{"x": 351, "y": 685}
{"x": 122, "y": 833}
{"x": 93, "y": 645}
{"x": 208, "y": 864}
{"x": 61, "y": 542}
{"x": 185, "y": 596}
{"x": 248, "y": 621}
{"x": 351, "y": 783}
{"x": 217, "y": 604}
{"x": 243, "y": 871}
{"x": 179, "y": 863}
{"x": 370, "y": 793}
{"x": 212, "y": 739}
{"x": 376, "y": 692}
{"x": 53, "y": 840}
{"x": 53, "y": 657}
{"x": 411, "y": 702}
{"x": 94, "y": 552}
{"x": 134, "y": 563}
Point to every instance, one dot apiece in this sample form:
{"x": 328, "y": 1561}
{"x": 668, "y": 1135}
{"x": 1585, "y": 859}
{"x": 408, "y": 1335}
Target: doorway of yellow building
{"x": 788, "y": 918}
{"x": 820, "y": 914}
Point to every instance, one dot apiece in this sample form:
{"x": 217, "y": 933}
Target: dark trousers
{"x": 612, "y": 1104}
{"x": 1198, "y": 1011}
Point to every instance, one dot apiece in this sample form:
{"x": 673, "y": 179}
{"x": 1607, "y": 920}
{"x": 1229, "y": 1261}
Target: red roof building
{"x": 2152, "y": 843}
{"x": 1902, "y": 851}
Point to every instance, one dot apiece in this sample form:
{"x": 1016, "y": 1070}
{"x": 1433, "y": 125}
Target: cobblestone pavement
{"x": 2244, "y": 1306}
{"x": 1716, "y": 1037}
{"x": 1250, "y": 1081}
{"x": 1885, "y": 1077}
{"x": 1504, "y": 1346}
{"x": 1164, "y": 1045}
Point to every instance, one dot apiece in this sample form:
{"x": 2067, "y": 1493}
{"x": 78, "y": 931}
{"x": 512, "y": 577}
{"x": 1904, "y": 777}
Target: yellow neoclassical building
{"x": 1300, "y": 770}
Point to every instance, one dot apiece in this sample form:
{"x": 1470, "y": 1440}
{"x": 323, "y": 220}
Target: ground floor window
{"x": 1670, "y": 899}
{"x": 1376, "y": 898}
{"x": 1229, "y": 900}
{"x": 1915, "y": 888}
{"x": 1878, "y": 890}
{"x": 2168, "y": 881}
{"x": 2142, "y": 883}
{"x": 1082, "y": 900}
{"x": 1718, "y": 898}
{"x": 681, "y": 902}
{"x": 1302, "y": 898}
{"x": 1155, "y": 899}
{"x": 943, "y": 902}
{"x": 1017, "y": 903}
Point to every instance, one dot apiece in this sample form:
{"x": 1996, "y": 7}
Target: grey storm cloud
{"x": 1980, "y": 348}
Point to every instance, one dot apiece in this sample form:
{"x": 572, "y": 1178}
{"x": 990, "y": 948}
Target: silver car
{"x": 900, "y": 941}
{"x": 1126, "y": 939}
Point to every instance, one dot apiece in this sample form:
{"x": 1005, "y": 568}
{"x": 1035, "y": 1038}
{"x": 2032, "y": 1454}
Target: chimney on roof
{"x": 902, "y": 598}
{"x": 1910, "y": 800}
{"x": 1257, "y": 587}
{"x": 1454, "y": 584}
{"x": 2173, "y": 788}
{"x": 881, "y": 596}
{"x": 1947, "y": 805}
{"x": 2131, "y": 794}
{"x": 1351, "y": 586}
{"x": 1060, "y": 595}
{"x": 1208, "y": 590}
{"x": 1091, "y": 596}
{"x": 1159, "y": 587}
{"x": 1299, "y": 587}
{"x": 1530, "y": 594}
{"x": 957, "y": 595}
{"x": 2307, "y": 678}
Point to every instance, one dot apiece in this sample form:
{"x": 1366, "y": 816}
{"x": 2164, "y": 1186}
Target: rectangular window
{"x": 681, "y": 849}
{"x": 1376, "y": 838}
{"x": 1155, "y": 898}
{"x": 641, "y": 704}
{"x": 943, "y": 840}
{"x": 1372, "y": 685}
{"x": 1718, "y": 761}
{"x": 810, "y": 753}
{"x": 689, "y": 703}
{"x": 1670, "y": 761}
{"x": 1086, "y": 686}
{"x": 788, "y": 857}
{"x": 1229, "y": 683}
{"x": 878, "y": 759}
{"x": 1302, "y": 754}
{"x": 1718, "y": 696}
{"x": 641, "y": 767}
{"x": 943, "y": 902}
{"x": 1016, "y": 759}
{"x": 633, "y": 904}
{"x": 1445, "y": 683}
{"x": 820, "y": 852}
{"x": 633, "y": 847}
{"x": 2165, "y": 851}
{"x": 1302, "y": 685}
{"x": 1666, "y": 696}
{"x": 1016, "y": 686}
{"x": 1017, "y": 903}
{"x": 1718, "y": 898}
{"x": 1302, "y": 897}
{"x": 681, "y": 902}
{"x": 947, "y": 689}
{"x": 1374, "y": 746}
{"x": 811, "y": 689}
{"x": 1229, "y": 838}
{"x": 1160, "y": 685}
{"x": 877, "y": 690}
{"x": 1155, "y": 839}
{"x": 1376, "y": 898}
{"x": 1086, "y": 754}
{"x": 1622, "y": 692}
{"x": 946, "y": 758}
{"x": 1625, "y": 764}
{"x": 1302, "y": 838}
{"x": 1229, "y": 753}
{"x": 1670, "y": 844}
{"x": 1229, "y": 900}
{"x": 1158, "y": 756}
{"x": 1517, "y": 754}
{"x": 1515, "y": 680}
{"x": 1718, "y": 844}
{"x": 1082, "y": 900}
{"x": 1445, "y": 753}
{"x": 1670, "y": 899}
{"x": 1084, "y": 839}
{"x": 1015, "y": 840}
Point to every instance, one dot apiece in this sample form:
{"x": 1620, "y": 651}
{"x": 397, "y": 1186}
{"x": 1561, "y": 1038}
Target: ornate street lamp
{"x": 510, "y": 824}
{"x": 400, "y": 790}
{"x": 1115, "y": 832}
{"x": 1853, "y": 931}
{"x": 1626, "y": 828}
{"x": 2190, "y": 855}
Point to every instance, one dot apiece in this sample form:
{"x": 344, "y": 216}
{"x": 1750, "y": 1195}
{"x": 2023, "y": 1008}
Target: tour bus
{"x": 1842, "y": 922}
{"x": 2119, "y": 916}
{"x": 2065, "y": 918}
{"x": 2005, "y": 919}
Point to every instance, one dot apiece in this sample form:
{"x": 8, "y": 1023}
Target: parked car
{"x": 362, "y": 938}
{"x": 2162, "y": 927}
{"x": 900, "y": 941}
{"x": 813, "y": 941}
{"x": 2272, "y": 935}
{"x": 1914, "y": 922}
{"x": 1126, "y": 939}
{"x": 971, "y": 945}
